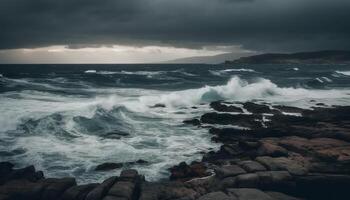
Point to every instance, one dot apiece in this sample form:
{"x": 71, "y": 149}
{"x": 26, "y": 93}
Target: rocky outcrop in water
{"x": 274, "y": 157}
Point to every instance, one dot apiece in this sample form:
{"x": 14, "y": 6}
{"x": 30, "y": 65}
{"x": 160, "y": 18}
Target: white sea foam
{"x": 319, "y": 80}
{"x": 227, "y": 71}
{"x": 296, "y": 69}
{"x": 346, "y": 73}
{"x": 90, "y": 71}
{"x": 327, "y": 79}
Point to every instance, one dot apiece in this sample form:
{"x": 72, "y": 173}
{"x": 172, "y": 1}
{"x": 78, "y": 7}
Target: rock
{"x": 268, "y": 149}
{"x": 56, "y": 187}
{"x": 229, "y": 170}
{"x": 158, "y": 105}
{"x": 140, "y": 161}
{"x": 166, "y": 190}
{"x": 150, "y": 191}
{"x": 5, "y": 167}
{"x": 250, "y": 180}
{"x": 28, "y": 173}
{"x": 249, "y": 194}
{"x": 216, "y": 196}
{"x": 229, "y": 182}
{"x": 289, "y": 109}
{"x": 178, "y": 193}
{"x": 194, "y": 122}
{"x": 256, "y": 108}
{"x": 114, "y": 198}
{"x": 130, "y": 175}
{"x": 283, "y": 163}
{"x": 243, "y": 120}
{"x": 78, "y": 192}
{"x": 323, "y": 148}
{"x": 186, "y": 172}
{"x": 116, "y": 134}
{"x": 281, "y": 196}
{"x": 249, "y": 145}
{"x": 101, "y": 190}
{"x": 124, "y": 189}
{"x": 219, "y": 106}
{"x": 276, "y": 180}
{"x": 108, "y": 166}
{"x": 21, "y": 189}
{"x": 251, "y": 166}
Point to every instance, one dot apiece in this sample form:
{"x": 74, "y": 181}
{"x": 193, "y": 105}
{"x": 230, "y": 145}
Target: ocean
{"x": 67, "y": 119}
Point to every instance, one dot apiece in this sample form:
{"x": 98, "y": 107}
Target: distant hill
{"x": 210, "y": 59}
{"x": 318, "y": 57}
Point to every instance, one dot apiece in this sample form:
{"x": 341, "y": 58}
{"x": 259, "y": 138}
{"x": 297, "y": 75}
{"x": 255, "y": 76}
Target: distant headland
{"x": 316, "y": 57}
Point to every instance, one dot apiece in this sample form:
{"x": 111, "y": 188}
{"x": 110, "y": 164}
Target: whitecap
{"x": 239, "y": 70}
{"x": 90, "y": 71}
{"x": 227, "y": 71}
{"x": 346, "y": 73}
{"x": 319, "y": 80}
{"x": 296, "y": 69}
{"x": 327, "y": 79}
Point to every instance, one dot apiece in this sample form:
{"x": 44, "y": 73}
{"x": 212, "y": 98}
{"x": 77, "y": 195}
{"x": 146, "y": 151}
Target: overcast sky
{"x": 122, "y": 31}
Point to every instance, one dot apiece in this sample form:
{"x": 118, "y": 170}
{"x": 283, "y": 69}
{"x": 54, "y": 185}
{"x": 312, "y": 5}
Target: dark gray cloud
{"x": 264, "y": 25}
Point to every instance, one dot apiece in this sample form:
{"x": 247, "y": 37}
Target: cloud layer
{"x": 261, "y": 25}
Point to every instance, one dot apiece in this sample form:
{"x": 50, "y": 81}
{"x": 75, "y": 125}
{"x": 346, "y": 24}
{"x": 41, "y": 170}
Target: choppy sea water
{"x": 60, "y": 117}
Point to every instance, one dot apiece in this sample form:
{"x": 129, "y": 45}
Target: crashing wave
{"x": 238, "y": 89}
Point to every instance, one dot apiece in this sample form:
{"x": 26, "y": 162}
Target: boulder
{"x": 167, "y": 190}
{"x": 256, "y": 108}
{"x": 251, "y": 166}
{"x": 22, "y": 189}
{"x": 250, "y": 180}
{"x": 281, "y": 196}
{"x": 101, "y": 190}
{"x": 158, "y": 105}
{"x": 108, "y": 166}
{"x": 194, "y": 122}
{"x": 56, "y": 187}
{"x": 268, "y": 149}
{"x": 243, "y": 120}
{"x": 276, "y": 180}
{"x": 217, "y": 196}
{"x": 187, "y": 172}
{"x": 228, "y": 170}
{"x": 282, "y": 163}
{"x": 221, "y": 107}
{"x": 114, "y": 198}
{"x": 124, "y": 189}
{"x": 249, "y": 194}
{"x": 78, "y": 192}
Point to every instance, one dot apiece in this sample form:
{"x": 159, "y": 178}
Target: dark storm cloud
{"x": 267, "y": 25}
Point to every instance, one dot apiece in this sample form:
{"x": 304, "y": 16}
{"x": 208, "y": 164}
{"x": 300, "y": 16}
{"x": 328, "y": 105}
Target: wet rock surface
{"x": 279, "y": 157}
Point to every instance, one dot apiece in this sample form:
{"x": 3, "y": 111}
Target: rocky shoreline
{"x": 279, "y": 153}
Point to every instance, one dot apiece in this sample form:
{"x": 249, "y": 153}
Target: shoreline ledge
{"x": 282, "y": 153}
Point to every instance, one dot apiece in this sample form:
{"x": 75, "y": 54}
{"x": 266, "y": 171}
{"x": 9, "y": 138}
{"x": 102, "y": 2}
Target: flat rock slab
{"x": 249, "y": 194}
{"x": 229, "y": 170}
{"x": 251, "y": 166}
{"x": 281, "y": 196}
{"x": 217, "y": 196}
{"x": 282, "y": 163}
